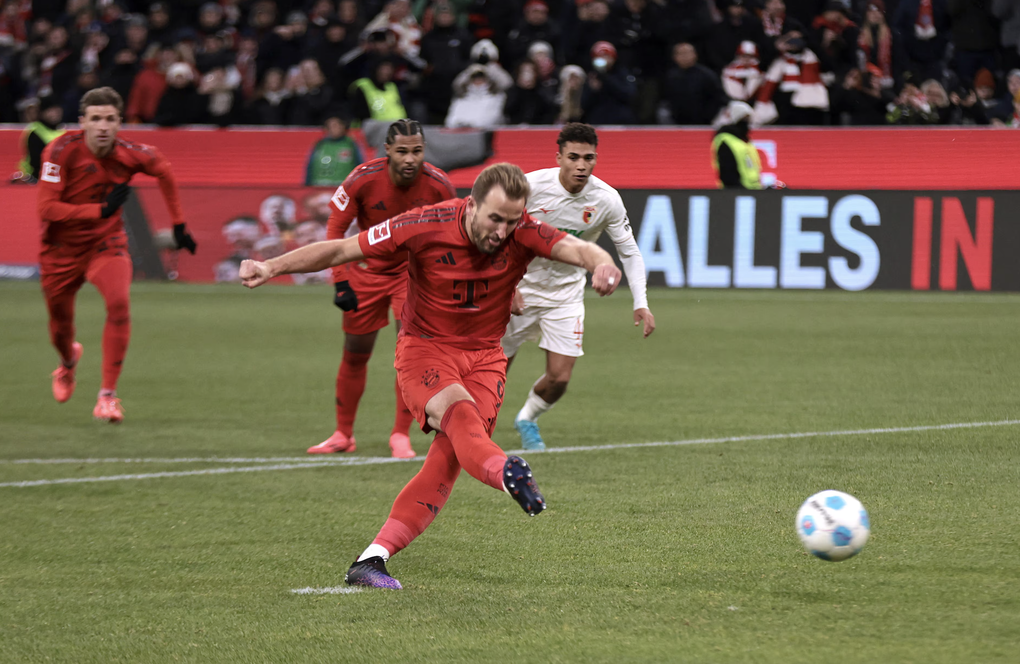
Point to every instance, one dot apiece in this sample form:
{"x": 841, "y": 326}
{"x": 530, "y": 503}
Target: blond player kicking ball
{"x": 550, "y": 298}
{"x": 464, "y": 258}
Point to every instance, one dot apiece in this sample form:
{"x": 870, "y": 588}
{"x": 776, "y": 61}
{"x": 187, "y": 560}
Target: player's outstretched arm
{"x": 311, "y": 258}
{"x": 605, "y": 276}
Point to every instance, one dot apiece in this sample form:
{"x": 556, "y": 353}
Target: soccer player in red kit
{"x": 465, "y": 259}
{"x": 366, "y": 291}
{"x": 82, "y": 185}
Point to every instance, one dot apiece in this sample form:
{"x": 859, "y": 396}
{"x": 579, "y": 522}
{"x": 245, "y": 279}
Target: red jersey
{"x": 456, "y": 293}
{"x": 74, "y": 182}
{"x": 369, "y": 196}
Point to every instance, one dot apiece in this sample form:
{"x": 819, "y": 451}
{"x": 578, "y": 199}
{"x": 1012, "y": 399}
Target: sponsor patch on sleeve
{"x": 50, "y": 172}
{"x": 377, "y": 234}
{"x": 341, "y": 199}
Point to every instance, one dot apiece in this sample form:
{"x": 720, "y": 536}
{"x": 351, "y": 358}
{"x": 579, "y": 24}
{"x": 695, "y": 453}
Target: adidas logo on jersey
{"x": 379, "y": 206}
{"x": 447, "y": 259}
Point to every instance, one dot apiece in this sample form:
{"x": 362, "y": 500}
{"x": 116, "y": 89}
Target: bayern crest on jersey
{"x": 589, "y": 212}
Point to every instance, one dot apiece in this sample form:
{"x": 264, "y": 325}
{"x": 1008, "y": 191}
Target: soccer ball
{"x": 833, "y": 525}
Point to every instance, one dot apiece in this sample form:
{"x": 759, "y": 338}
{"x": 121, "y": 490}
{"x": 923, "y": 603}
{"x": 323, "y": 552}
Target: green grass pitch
{"x": 674, "y": 553}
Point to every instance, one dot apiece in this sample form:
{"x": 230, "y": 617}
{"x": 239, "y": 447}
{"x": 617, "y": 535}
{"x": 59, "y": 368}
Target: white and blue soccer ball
{"x": 833, "y": 525}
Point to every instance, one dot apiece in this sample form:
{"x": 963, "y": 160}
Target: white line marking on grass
{"x": 157, "y": 460}
{"x": 335, "y": 590}
{"x": 371, "y": 461}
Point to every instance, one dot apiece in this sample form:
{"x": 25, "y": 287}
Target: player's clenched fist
{"x": 254, "y": 273}
{"x": 605, "y": 279}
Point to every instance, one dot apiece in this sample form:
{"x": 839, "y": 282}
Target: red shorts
{"x": 424, "y": 367}
{"x": 377, "y": 294}
{"x": 64, "y": 268}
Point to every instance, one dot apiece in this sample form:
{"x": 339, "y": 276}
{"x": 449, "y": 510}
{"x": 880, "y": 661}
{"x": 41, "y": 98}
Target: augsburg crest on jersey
{"x": 589, "y": 212}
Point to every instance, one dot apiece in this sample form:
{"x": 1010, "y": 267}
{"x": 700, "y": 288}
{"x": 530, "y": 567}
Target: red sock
{"x": 350, "y": 385}
{"x": 420, "y": 501}
{"x": 476, "y": 453}
{"x": 112, "y": 278}
{"x": 61, "y": 308}
{"x": 403, "y": 419}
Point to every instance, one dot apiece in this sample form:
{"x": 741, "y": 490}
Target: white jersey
{"x": 586, "y": 214}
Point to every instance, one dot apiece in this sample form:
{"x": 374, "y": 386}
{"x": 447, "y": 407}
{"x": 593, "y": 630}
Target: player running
{"x": 371, "y": 194}
{"x": 551, "y": 295}
{"x": 465, "y": 257}
{"x": 82, "y": 185}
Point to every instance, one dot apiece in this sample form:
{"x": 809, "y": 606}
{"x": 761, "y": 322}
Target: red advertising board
{"x": 235, "y": 182}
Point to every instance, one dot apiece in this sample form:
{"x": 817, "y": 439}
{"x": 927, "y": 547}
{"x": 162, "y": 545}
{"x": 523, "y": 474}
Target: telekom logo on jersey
{"x": 377, "y": 234}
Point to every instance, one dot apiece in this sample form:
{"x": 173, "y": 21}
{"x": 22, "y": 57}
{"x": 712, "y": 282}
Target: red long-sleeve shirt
{"x": 74, "y": 182}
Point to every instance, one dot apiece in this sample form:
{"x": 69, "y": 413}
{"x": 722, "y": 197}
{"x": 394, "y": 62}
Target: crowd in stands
{"x": 483, "y": 63}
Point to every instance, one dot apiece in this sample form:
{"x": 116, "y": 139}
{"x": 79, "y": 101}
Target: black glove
{"x": 345, "y": 297}
{"x": 183, "y": 239}
{"x": 115, "y": 199}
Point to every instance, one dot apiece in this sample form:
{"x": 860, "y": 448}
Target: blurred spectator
{"x": 485, "y": 53}
{"x": 859, "y": 98}
{"x": 984, "y": 88}
{"x": 967, "y": 108}
{"x": 609, "y": 92}
{"x": 684, "y": 20}
{"x": 13, "y": 33}
{"x": 742, "y": 77}
{"x": 833, "y": 38}
{"x": 313, "y": 97}
{"x": 911, "y": 107}
{"x": 572, "y": 80}
{"x": 262, "y": 19}
{"x": 1008, "y": 13}
{"x": 333, "y": 157}
{"x": 160, "y": 29}
{"x": 535, "y": 25}
{"x": 398, "y": 19}
{"x": 975, "y": 37}
{"x": 692, "y": 91}
{"x": 271, "y": 105}
{"x": 793, "y": 93}
{"x": 478, "y": 100}
{"x": 245, "y": 61}
{"x": 149, "y": 85}
{"x": 447, "y": 49}
{"x": 877, "y": 44}
{"x": 377, "y": 97}
{"x": 350, "y": 15}
{"x": 640, "y": 46}
{"x": 181, "y": 103}
{"x": 923, "y": 25}
{"x": 540, "y": 54}
{"x": 939, "y": 100}
{"x": 775, "y": 24}
{"x": 59, "y": 65}
{"x": 527, "y": 103}
{"x": 1002, "y": 108}
{"x": 284, "y": 46}
{"x": 738, "y": 25}
{"x": 335, "y": 43}
{"x": 88, "y": 78}
{"x": 1014, "y": 120}
{"x": 218, "y": 88}
{"x": 585, "y": 27}
{"x": 36, "y": 136}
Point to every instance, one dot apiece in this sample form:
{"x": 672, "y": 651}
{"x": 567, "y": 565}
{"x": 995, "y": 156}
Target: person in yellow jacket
{"x": 377, "y": 97}
{"x": 38, "y": 135}
{"x": 734, "y": 158}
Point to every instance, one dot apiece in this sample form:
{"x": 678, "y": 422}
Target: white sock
{"x": 375, "y": 550}
{"x": 533, "y": 407}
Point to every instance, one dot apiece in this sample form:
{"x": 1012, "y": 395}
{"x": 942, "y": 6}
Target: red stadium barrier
{"x": 226, "y": 175}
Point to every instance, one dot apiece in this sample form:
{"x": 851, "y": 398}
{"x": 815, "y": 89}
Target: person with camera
{"x": 609, "y": 93}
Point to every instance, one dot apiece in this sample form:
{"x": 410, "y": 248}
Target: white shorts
{"x": 561, "y": 329}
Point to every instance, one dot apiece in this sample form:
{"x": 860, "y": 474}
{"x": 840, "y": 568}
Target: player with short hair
{"x": 550, "y": 297}
{"x": 82, "y": 185}
{"x": 376, "y": 191}
{"x": 465, "y": 257}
